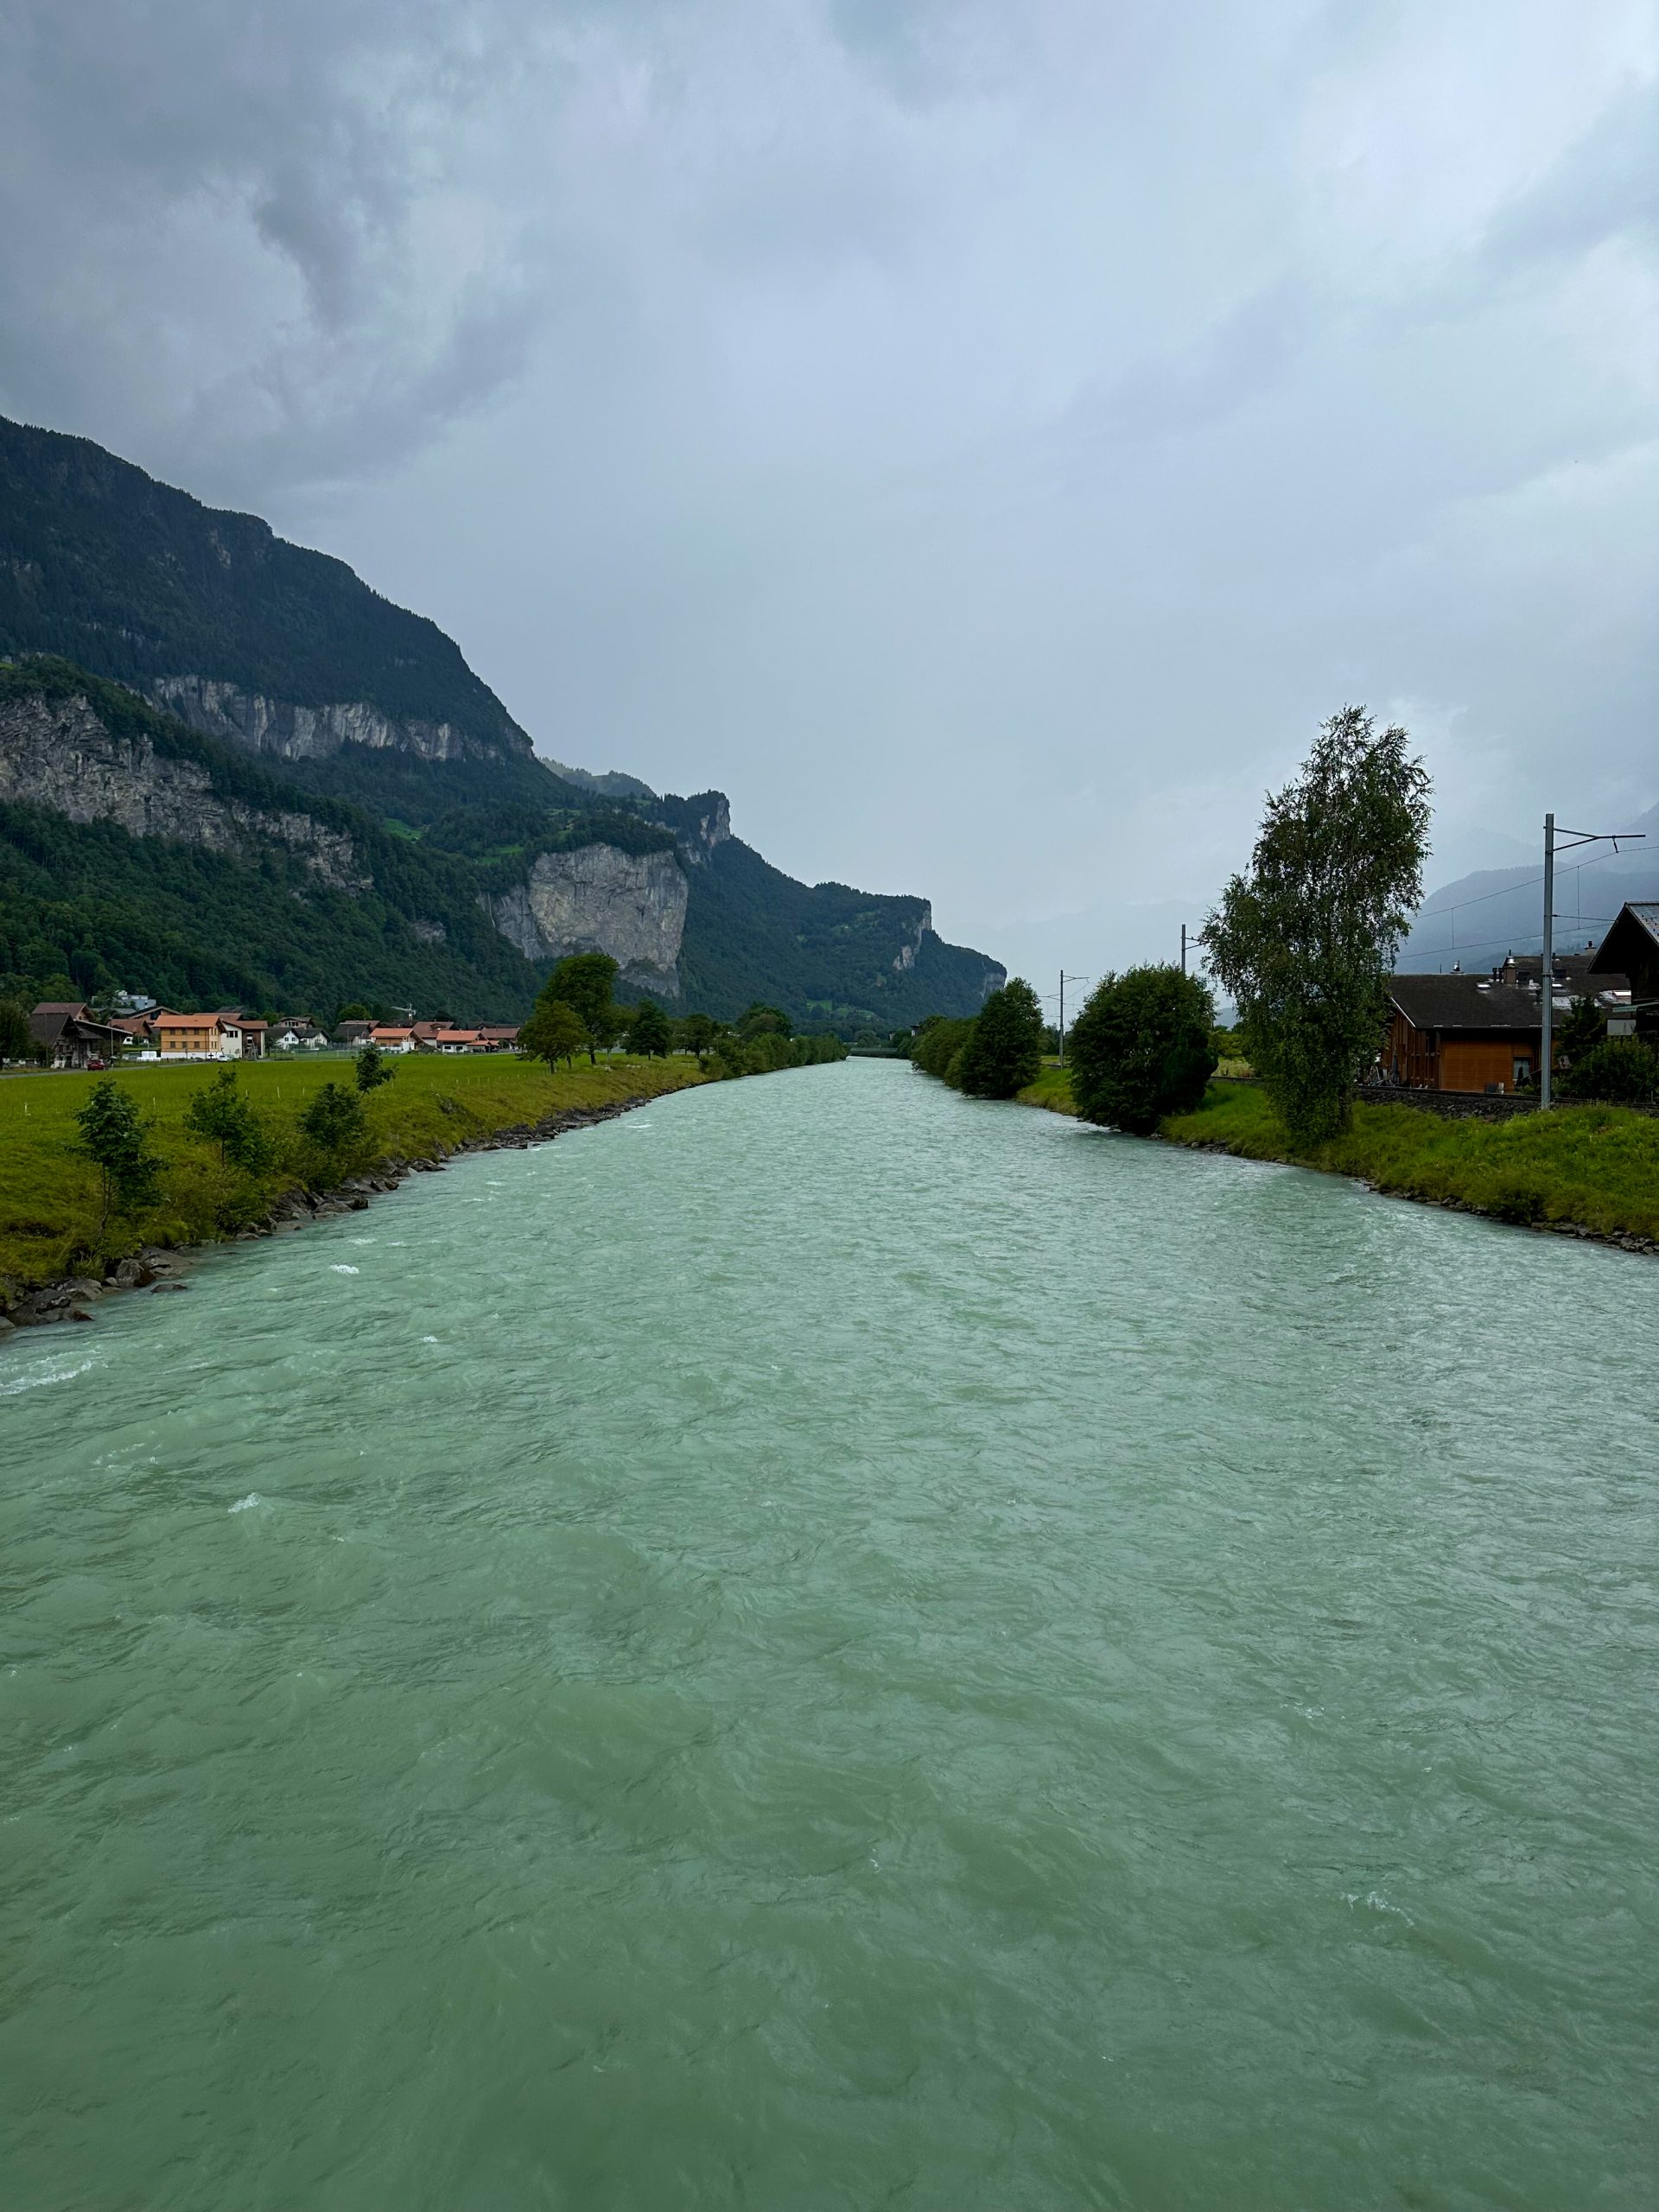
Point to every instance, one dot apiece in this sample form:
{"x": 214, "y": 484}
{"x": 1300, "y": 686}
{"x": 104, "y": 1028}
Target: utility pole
{"x": 1547, "y": 971}
{"x": 1064, "y": 979}
{"x": 1183, "y": 948}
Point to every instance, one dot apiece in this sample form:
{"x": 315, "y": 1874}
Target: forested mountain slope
{"x": 263, "y": 648}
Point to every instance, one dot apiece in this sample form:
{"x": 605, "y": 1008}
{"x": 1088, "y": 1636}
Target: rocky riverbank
{"x": 159, "y": 1269}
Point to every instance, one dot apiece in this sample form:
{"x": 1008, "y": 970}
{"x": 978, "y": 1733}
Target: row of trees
{"x": 1142, "y": 1047}
{"x": 577, "y": 1012}
{"x": 993, "y": 1054}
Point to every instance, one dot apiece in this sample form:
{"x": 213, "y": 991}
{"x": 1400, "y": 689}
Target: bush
{"x": 374, "y": 1067}
{"x": 1622, "y": 1072}
{"x": 116, "y": 1138}
{"x": 1142, "y": 1048}
{"x": 334, "y": 1120}
{"x": 936, "y": 1044}
{"x": 223, "y": 1115}
{"x": 1004, "y": 1052}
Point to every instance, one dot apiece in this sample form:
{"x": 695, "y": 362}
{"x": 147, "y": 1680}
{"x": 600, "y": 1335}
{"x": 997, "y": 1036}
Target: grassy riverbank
{"x": 1594, "y": 1165}
{"x": 49, "y": 1203}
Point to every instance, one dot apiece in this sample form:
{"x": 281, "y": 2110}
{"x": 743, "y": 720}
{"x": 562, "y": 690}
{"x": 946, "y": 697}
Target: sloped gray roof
{"x": 1463, "y": 1002}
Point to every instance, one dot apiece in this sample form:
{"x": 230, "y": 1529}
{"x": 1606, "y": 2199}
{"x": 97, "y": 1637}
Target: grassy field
{"x": 1597, "y": 1166}
{"x": 49, "y": 1203}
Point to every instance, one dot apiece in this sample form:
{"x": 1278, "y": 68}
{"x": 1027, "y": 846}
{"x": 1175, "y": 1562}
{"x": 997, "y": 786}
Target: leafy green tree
{"x": 334, "y": 1119}
{"x": 116, "y": 1138}
{"x": 648, "y": 1032}
{"x": 1584, "y": 1028}
{"x": 16, "y": 1042}
{"x": 373, "y": 1068}
{"x": 759, "y": 1020}
{"x": 220, "y": 1113}
{"x": 1141, "y": 1048}
{"x": 1305, "y": 941}
{"x": 1005, "y": 1051}
{"x": 355, "y": 1011}
{"x": 938, "y": 1044}
{"x": 584, "y": 981}
{"x": 554, "y": 1033}
{"x": 1620, "y": 1071}
{"x": 698, "y": 1031}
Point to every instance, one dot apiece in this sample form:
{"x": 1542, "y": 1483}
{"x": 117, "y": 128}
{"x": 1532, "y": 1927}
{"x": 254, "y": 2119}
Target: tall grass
{"x": 1597, "y": 1166}
{"x": 49, "y": 1200}
{"x": 1594, "y": 1165}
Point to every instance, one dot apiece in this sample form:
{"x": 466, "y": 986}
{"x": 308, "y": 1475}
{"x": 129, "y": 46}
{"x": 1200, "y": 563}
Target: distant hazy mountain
{"x": 1474, "y": 921}
{"x": 262, "y": 647}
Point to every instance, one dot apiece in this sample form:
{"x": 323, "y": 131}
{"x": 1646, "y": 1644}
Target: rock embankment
{"x": 158, "y": 1269}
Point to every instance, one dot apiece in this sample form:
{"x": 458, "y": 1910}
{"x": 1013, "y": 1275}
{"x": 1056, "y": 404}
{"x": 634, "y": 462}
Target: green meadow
{"x": 50, "y": 1192}
{"x": 1595, "y": 1166}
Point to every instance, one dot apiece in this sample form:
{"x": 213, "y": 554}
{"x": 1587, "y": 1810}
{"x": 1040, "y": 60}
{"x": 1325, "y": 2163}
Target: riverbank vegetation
{"x": 1597, "y": 1167}
{"x": 992, "y": 1055}
{"x": 1141, "y": 1048}
{"x": 576, "y": 1013}
{"x": 65, "y": 1208}
{"x": 1304, "y": 939}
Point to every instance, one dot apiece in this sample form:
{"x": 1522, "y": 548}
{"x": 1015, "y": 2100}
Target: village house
{"x": 392, "y": 1040}
{"x": 188, "y": 1037}
{"x": 1631, "y": 949}
{"x": 296, "y": 1033}
{"x": 354, "y": 1032}
{"x": 496, "y": 1037}
{"x": 1462, "y": 1033}
{"x": 65, "y": 1029}
{"x": 457, "y": 1040}
{"x": 242, "y": 1037}
{"x": 1485, "y": 1033}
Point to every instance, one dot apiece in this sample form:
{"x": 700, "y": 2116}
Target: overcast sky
{"x": 983, "y": 436}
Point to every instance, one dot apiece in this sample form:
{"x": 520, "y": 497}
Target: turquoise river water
{"x": 826, "y": 1645}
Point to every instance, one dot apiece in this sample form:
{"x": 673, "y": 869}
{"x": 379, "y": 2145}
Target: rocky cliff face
{"x": 904, "y": 958}
{"x": 292, "y": 733}
{"x": 600, "y": 899}
{"x": 711, "y": 827}
{"x": 56, "y": 753}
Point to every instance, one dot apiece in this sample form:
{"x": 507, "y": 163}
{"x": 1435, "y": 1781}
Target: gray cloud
{"x": 986, "y": 439}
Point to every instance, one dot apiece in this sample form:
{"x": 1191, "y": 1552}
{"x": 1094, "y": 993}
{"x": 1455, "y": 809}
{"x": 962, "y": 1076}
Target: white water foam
{"x": 57, "y": 1371}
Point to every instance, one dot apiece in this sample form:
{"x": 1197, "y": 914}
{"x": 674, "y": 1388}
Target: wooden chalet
{"x": 65, "y": 1029}
{"x": 1631, "y": 949}
{"x": 1462, "y": 1033}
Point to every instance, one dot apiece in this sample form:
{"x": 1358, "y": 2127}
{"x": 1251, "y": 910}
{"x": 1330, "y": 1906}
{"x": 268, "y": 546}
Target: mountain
{"x": 1475, "y": 920}
{"x": 136, "y": 853}
{"x": 480, "y": 863}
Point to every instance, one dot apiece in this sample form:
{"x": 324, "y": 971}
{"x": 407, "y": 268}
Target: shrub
{"x": 223, "y": 1115}
{"x": 116, "y": 1138}
{"x": 1142, "y": 1048}
{"x": 1004, "y": 1052}
{"x": 334, "y": 1120}
{"x": 374, "y": 1067}
{"x": 1621, "y": 1071}
{"x": 936, "y": 1044}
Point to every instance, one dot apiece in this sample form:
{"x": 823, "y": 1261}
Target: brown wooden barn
{"x": 1462, "y": 1033}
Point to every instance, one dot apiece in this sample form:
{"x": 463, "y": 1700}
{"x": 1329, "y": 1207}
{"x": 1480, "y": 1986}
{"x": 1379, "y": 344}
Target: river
{"x": 827, "y": 1646}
